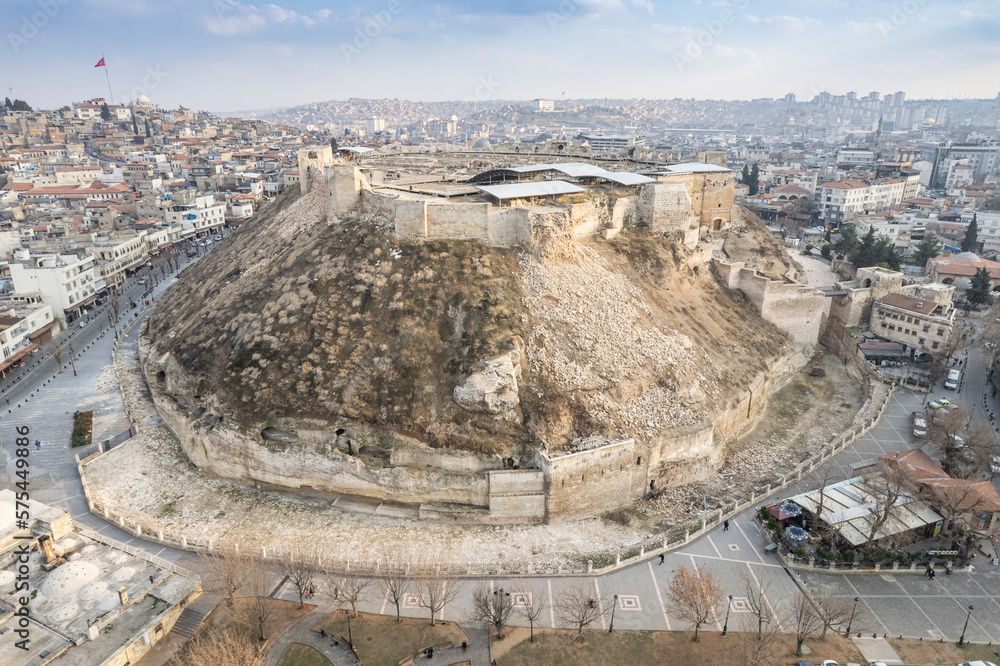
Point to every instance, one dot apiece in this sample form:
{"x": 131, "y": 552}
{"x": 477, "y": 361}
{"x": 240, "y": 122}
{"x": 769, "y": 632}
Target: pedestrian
{"x": 7, "y": 398}
{"x": 322, "y": 632}
{"x": 725, "y": 526}
{"x": 150, "y": 580}
{"x": 38, "y": 445}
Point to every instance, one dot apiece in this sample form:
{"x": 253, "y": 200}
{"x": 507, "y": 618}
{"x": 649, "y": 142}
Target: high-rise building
{"x": 374, "y": 124}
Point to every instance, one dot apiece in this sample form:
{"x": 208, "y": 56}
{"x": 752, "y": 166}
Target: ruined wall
{"x": 312, "y": 166}
{"x": 463, "y": 221}
{"x": 665, "y": 206}
{"x": 592, "y": 481}
{"x": 852, "y": 308}
{"x": 344, "y": 185}
{"x": 711, "y": 195}
{"x": 517, "y": 496}
{"x": 509, "y": 226}
{"x": 791, "y": 306}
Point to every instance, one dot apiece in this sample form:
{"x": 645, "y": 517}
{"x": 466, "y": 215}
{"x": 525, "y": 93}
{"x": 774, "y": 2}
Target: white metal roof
{"x": 626, "y": 177}
{"x": 356, "y": 149}
{"x": 525, "y": 190}
{"x": 692, "y": 167}
{"x": 571, "y": 169}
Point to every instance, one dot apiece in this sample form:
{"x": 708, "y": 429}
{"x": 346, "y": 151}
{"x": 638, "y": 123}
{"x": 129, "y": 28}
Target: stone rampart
{"x": 793, "y": 307}
{"x": 593, "y": 481}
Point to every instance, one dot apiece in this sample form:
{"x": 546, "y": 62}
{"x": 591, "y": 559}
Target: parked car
{"x": 977, "y": 663}
{"x": 939, "y": 403}
{"x": 954, "y": 376}
{"x": 919, "y": 425}
{"x": 218, "y": 238}
{"x": 192, "y": 253}
{"x": 143, "y": 279}
{"x": 83, "y": 323}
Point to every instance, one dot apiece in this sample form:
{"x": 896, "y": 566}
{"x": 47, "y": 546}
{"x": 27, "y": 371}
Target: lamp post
{"x": 961, "y": 640}
{"x": 350, "y": 638}
{"x": 499, "y": 610}
{"x": 851, "y": 619}
{"x": 729, "y": 605}
{"x": 71, "y": 359}
{"x": 611, "y": 627}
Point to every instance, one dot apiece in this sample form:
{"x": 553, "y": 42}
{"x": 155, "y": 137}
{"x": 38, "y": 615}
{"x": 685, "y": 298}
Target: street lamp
{"x": 612, "y": 626}
{"x": 725, "y": 627}
{"x": 71, "y": 359}
{"x": 350, "y": 638}
{"x": 961, "y": 640}
{"x": 851, "y": 619}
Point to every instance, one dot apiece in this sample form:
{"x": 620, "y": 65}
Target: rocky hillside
{"x": 456, "y": 344}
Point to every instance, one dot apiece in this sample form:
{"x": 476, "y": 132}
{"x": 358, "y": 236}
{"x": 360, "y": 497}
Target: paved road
{"x": 899, "y": 603}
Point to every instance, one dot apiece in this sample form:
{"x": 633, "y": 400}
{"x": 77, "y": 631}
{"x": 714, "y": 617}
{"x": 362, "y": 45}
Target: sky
{"x": 226, "y": 55}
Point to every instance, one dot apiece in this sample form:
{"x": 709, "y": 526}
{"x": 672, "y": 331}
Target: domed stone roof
{"x": 967, "y": 256}
{"x": 69, "y": 578}
{"x": 482, "y": 144}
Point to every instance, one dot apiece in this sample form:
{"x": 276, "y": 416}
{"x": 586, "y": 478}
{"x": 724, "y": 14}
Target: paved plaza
{"x": 899, "y": 603}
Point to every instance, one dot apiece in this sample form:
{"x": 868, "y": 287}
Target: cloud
{"x": 792, "y": 23}
{"x": 234, "y": 18}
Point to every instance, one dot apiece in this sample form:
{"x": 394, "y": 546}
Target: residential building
{"x": 118, "y": 255}
{"x": 951, "y": 269}
{"x": 984, "y": 158}
{"x": 67, "y": 282}
{"x": 842, "y": 201}
{"x": 22, "y": 329}
{"x": 546, "y": 105}
{"x": 922, "y": 324}
{"x": 607, "y": 143}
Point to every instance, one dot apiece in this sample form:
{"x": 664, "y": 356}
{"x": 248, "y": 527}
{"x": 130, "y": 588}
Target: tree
{"x": 805, "y": 620}
{"x": 6, "y": 102}
{"x": 20, "y": 105}
{"x": 227, "y": 566}
{"x": 825, "y": 251}
{"x": 105, "y": 112}
{"x": 351, "y": 588}
{"x": 983, "y": 447}
{"x": 493, "y": 608}
{"x": 885, "y": 253}
{"x": 989, "y": 335}
{"x": 576, "y": 609}
{"x": 835, "y": 611}
{"x": 695, "y": 595}
{"x": 57, "y": 354}
{"x": 148, "y": 132}
{"x": 885, "y": 491}
{"x": 867, "y": 252}
{"x": 395, "y": 583}
{"x": 221, "y": 647}
{"x": 848, "y": 243}
{"x": 758, "y": 649}
{"x": 135, "y": 127}
{"x": 300, "y": 569}
{"x": 761, "y": 613}
{"x": 971, "y": 241}
{"x": 754, "y": 182}
{"x": 979, "y": 290}
{"x": 948, "y": 429}
{"x": 927, "y": 249}
{"x": 257, "y": 606}
{"x": 531, "y": 608}
{"x": 333, "y": 144}
{"x": 437, "y": 590}
{"x": 745, "y": 175}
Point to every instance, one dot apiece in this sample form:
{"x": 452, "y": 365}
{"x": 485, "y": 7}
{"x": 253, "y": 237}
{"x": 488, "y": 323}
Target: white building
{"x": 613, "y": 142}
{"x": 64, "y": 281}
{"x": 842, "y": 201}
{"x": 203, "y": 215}
{"x": 20, "y": 329}
{"x": 374, "y": 124}
{"x": 988, "y": 224}
{"x": 855, "y": 156}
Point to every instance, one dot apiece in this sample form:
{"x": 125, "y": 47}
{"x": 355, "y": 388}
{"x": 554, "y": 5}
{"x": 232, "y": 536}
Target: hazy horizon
{"x": 229, "y": 55}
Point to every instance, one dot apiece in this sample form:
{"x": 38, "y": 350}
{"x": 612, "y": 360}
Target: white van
{"x": 953, "y": 378}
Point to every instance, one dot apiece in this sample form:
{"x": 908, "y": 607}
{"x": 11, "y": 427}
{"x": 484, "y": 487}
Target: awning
{"x": 17, "y": 357}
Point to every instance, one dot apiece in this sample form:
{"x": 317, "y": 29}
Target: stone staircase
{"x": 192, "y": 616}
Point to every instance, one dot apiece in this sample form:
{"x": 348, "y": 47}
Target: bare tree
{"x": 351, "y": 588}
{"x": 437, "y": 590}
{"x": 531, "y": 608}
{"x": 805, "y": 620}
{"x": 834, "y": 612}
{"x": 886, "y": 493}
{"x": 758, "y": 648}
{"x": 57, "y": 354}
{"x": 493, "y": 607}
{"x": 695, "y": 595}
{"x": 756, "y": 595}
{"x": 948, "y": 429}
{"x": 221, "y": 647}
{"x": 254, "y": 609}
{"x": 300, "y": 568}
{"x": 576, "y": 609}
{"x": 989, "y": 335}
{"x": 975, "y": 459}
{"x": 395, "y": 583}
{"x": 227, "y": 566}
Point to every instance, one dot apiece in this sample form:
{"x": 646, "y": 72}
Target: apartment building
{"x": 21, "y": 330}
{"x": 842, "y": 201}
{"x": 118, "y": 255}
{"x": 921, "y": 324}
{"x": 66, "y": 282}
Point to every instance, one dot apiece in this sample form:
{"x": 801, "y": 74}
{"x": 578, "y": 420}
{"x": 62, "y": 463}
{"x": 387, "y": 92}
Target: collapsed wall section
{"x": 791, "y": 306}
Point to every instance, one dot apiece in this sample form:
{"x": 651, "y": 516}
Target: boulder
{"x": 494, "y": 389}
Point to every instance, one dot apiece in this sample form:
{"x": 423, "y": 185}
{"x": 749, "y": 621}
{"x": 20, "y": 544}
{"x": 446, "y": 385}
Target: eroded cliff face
{"x": 335, "y": 355}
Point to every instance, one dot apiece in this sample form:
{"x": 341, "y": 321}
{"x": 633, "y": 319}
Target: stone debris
{"x": 594, "y": 336}
{"x": 494, "y": 390}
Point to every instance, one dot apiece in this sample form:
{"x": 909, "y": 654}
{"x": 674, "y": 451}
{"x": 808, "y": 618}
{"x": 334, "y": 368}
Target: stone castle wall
{"x": 793, "y": 307}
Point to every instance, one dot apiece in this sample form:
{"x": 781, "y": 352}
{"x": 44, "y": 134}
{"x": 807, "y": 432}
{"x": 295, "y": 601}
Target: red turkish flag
{"x": 100, "y": 63}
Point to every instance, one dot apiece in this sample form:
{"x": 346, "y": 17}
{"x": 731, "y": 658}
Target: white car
{"x": 978, "y": 663}
{"x": 218, "y": 238}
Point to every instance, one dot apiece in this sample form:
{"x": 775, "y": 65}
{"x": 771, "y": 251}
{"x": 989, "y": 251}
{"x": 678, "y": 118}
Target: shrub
{"x": 826, "y": 252}
{"x": 800, "y": 551}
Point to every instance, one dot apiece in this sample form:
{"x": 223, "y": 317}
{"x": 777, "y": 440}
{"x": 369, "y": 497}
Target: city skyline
{"x": 226, "y": 55}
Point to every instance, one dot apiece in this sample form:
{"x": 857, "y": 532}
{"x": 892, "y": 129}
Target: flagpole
{"x": 111, "y": 95}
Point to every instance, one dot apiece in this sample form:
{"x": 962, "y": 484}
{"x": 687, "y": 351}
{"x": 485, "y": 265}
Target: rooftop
{"x": 526, "y": 190}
